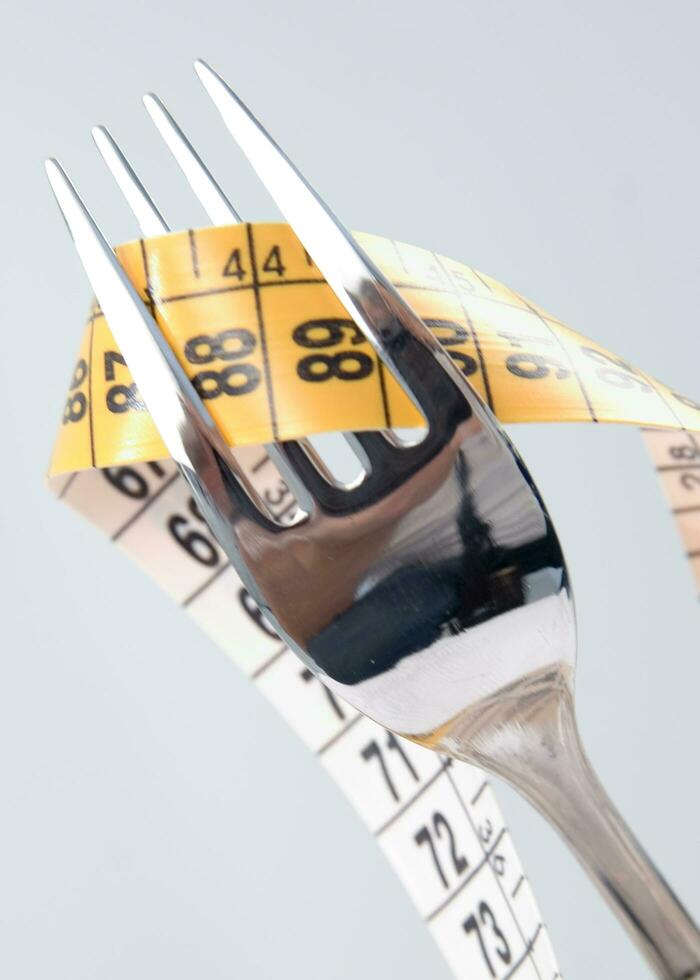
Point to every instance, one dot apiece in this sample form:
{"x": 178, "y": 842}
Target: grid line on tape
{"x": 500, "y": 885}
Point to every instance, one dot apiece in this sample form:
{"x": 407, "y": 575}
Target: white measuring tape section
{"x": 438, "y": 823}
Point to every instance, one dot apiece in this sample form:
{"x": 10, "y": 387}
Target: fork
{"x": 432, "y": 594}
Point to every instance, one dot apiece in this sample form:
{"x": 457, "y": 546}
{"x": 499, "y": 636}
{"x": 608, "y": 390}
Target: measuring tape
{"x": 275, "y": 356}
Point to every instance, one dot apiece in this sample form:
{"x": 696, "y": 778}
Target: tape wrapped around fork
{"x": 275, "y": 356}
{"x": 273, "y": 352}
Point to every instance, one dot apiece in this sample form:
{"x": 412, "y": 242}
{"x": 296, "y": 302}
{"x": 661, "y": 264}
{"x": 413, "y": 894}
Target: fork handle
{"x": 544, "y": 760}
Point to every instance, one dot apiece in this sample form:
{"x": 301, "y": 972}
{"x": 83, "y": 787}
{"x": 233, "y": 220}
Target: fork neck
{"x": 528, "y": 736}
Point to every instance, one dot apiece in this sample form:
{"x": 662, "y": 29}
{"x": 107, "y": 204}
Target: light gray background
{"x": 156, "y": 817}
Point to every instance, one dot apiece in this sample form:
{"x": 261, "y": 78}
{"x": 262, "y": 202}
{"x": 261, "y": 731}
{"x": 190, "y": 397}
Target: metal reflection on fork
{"x": 432, "y": 594}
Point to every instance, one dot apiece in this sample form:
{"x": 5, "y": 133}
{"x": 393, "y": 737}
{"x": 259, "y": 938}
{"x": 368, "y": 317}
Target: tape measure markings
{"x": 487, "y": 827}
{"x": 523, "y": 383}
{"x": 558, "y": 340}
{"x": 475, "y": 337}
{"x": 433, "y": 914}
{"x": 669, "y": 405}
{"x": 676, "y": 458}
{"x": 259, "y": 671}
{"x": 330, "y": 742}
{"x": 478, "y": 793}
{"x": 521, "y": 880}
{"x": 689, "y": 531}
{"x": 408, "y": 808}
{"x": 481, "y": 835}
{"x": 194, "y": 257}
{"x": 291, "y": 363}
{"x": 90, "y": 398}
{"x": 63, "y": 483}
{"x": 674, "y": 467}
{"x": 263, "y": 339}
{"x": 414, "y": 798}
{"x": 394, "y": 785}
{"x": 487, "y": 858}
{"x": 161, "y": 489}
{"x": 481, "y": 279}
{"x": 205, "y": 585}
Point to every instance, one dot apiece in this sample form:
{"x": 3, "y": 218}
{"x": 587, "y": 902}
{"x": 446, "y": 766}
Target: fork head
{"x": 434, "y": 587}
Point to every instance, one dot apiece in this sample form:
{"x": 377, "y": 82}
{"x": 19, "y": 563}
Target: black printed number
{"x": 231, "y": 345}
{"x": 684, "y": 452}
{"x": 281, "y": 501}
{"x": 327, "y": 333}
{"x": 76, "y": 403}
{"x": 273, "y": 262}
{"x": 234, "y": 267}
{"x": 684, "y": 400}
{"x": 75, "y": 408}
{"x": 373, "y": 750}
{"x": 690, "y": 481}
{"x": 451, "y": 334}
{"x": 345, "y": 365}
{"x": 237, "y": 379}
{"x": 197, "y": 545}
{"x": 309, "y": 677}
{"x": 254, "y": 613}
{"x": 120, "y": 398}
{"x": 440, "y": 829}
{"x": 497, "y": 941}
{"x": 536, "y": 366}
{"x": 615, "y": 371}
{"x": 485, "y": 831}
{"x": 132, "y": 482}
{"x": 498, "y": 863}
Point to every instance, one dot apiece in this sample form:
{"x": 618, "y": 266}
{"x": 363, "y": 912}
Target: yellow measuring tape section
{"x": 274, "y": 354}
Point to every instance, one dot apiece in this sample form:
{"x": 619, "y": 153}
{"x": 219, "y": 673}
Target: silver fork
{"x": 432, "y": 594}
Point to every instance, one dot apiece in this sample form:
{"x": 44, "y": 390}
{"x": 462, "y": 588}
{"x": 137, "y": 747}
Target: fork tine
{"x": 215, "y": 203}
{"x": 376, "y": 449}
{"x": 184, "y": 424}
{"x": 161, "y": 380}
{"x": 382, "y": 314}
{"x": 221, "y": 212}
{"x": 151, "y": 221}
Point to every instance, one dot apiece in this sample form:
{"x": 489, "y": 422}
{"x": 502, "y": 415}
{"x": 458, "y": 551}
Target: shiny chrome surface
{"x": 432, "y": 594}
{"x": 150, "y": 219}
{"x": 215, "y": 203}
